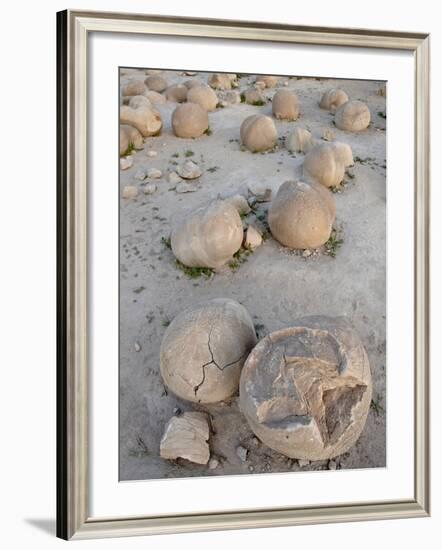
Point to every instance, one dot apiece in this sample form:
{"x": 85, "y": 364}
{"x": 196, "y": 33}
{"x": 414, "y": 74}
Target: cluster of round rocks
{"x": 305, "y": 390}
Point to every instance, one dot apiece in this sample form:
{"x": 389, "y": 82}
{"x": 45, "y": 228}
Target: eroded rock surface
{"x": 306, "y": 390}
{"x": 186, "y": 436}
{"x": 214, "y": 338}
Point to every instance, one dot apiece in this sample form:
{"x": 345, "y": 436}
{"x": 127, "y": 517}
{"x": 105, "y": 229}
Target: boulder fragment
{"x": 186, "y": 436}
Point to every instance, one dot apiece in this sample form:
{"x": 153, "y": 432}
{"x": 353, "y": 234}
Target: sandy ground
{"x": 276, "y": 285}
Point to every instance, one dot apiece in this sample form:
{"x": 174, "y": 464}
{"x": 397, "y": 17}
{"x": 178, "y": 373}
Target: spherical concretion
{"x": 134, "y": 87}
{"x": 145, "y": 119}
{"x": 302, "y": 214}
{"x": 306, "y": 390}
{"x": 258, "y": 133}
{"x": 204, "y": 96}
{"x": 189, "y": 120}
{"x": 332, "y": 99}
{"x": 193, "y": 83}
{"x": 220, "y": 81}
{"x": 326, "y": 163}
{"x": 156, "y": 83}
{"x": 136, "y": 101}
{"x": 299, "y": 141}
{"x": 204, "y": 349}
{"x": 353, "y": 116}
{"x": 253, "y": 96}
{"x": 177, "y": 93}
{"x": 285, "y": 105}
{"x": 269, "y": 81}
{"x": 155, "y": 97}
{"x": 208, "y": 236}
{"x": 134, "y": 137}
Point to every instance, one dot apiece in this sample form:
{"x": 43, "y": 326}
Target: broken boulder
{"x": 186, "y": 436}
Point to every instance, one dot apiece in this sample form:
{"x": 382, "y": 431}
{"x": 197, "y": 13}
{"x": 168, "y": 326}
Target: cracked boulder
{"x": 285, "y": 105}
{"x": 353, "y": 116}
{"x": 332, "y": 99}
{"x": 189, "y": 120}
{"x": 302, "y": 214}
{"x": 258, "y": 133}
{"x": 306, "y": 390}
{"x": 186, "y": 436}
{"x": 204, "y": 349}
{"x": 208, "y": 236}
{"x": 326, "y": 163}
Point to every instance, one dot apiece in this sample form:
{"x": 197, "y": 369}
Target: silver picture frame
{"x": 73, "y": 518}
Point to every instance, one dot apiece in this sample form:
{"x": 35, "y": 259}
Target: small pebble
{"x": 307, "y": 253}
{"x": 302, "y": 463}
{"x": 149, "y": 189}
{"x": 332, "y": 465}
{"x": 137, "y": 346}
{"x": 174, "y": 178}
{"x": 189, "y": 170}
{"x": 126, "y": 162}
{"x": 130, "y": 192}
{"x": 252, "y": 238}
{"x": 242, "y": 453}
{"x": 213, "y": 463}
{"x": 185, "y": 187}
{"x": 177, "y": 411}
{"x": 151, "y": 153}
{"x": 251, "y": 468}
{"x": 154, "y": 173}
{"x": 140, "y": 175}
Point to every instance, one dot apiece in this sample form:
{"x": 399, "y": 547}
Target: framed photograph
{"x": 242, "y": 275}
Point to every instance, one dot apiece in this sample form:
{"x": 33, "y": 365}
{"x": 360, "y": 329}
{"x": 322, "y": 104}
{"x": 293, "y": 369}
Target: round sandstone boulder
{"x": 302, "y": 215}
{"x": 203, "y": 96}
{"x": 332, "y": 99}
{"x": 136, "y": 101}
{"x": 300, "y": 141}
{"x": 253, "y": 96}
{"x": 189, "y": 120}
{"x": 326, "y": 163}
{"x": 306, "y": 390}
{"x": 204, "y": 349}
{"x": 134, "y": 137}
{"x": 177, "y": 93}
{"x": 155, "y": 97}
{"x": 208, "y": 236}
{"x": 258, "y": 133}
{"x": 220, "y": 81}
{"x": 353, "y": 116}
{"x": 156, "y": 83}
{"x": 285, "y": 105}
{"x": 145, "y": 119}
{"x": 134, "y": 87}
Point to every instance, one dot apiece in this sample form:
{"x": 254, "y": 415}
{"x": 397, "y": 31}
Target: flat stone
{"x": 154, "y": 173}
{"x": 189, "y": 170}
{"x": 186, "y": 436}
{"x": 185, "y": 187}
{"x": 242, "y": 453}
{"x": 126, "y": 162}
{"x": 130, "y": 192}
{"x": 149, "y": 189}
{"x": 253, "y": 238}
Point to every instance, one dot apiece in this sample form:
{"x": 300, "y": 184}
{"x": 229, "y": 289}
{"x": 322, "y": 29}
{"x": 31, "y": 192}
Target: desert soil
{"x": 275, "y": 284}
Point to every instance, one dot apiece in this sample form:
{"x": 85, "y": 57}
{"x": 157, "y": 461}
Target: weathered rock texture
{"x": 285, "y": 105}
{"x": 203, "y": 96}
{"x": 204, "y": 349}
{"x": 189, "y": 120}
{"x": 156, "y": 83}
{"x": 145, "y": 119}
{"x": 220, "y": 81}
{"x": 326, "y": 163}
{"x": 177, "y": 93}
{"x": 332, "y": 99}
{"x": 300, "y": 141}
{"x": 353, "y": 116}
{"x": 306, "y": 390}
{"x": 208, "y": 236}
{"x": 258, "y": 133}
{"x": 186, "y": 436}
{"x": 302, "y": 214}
